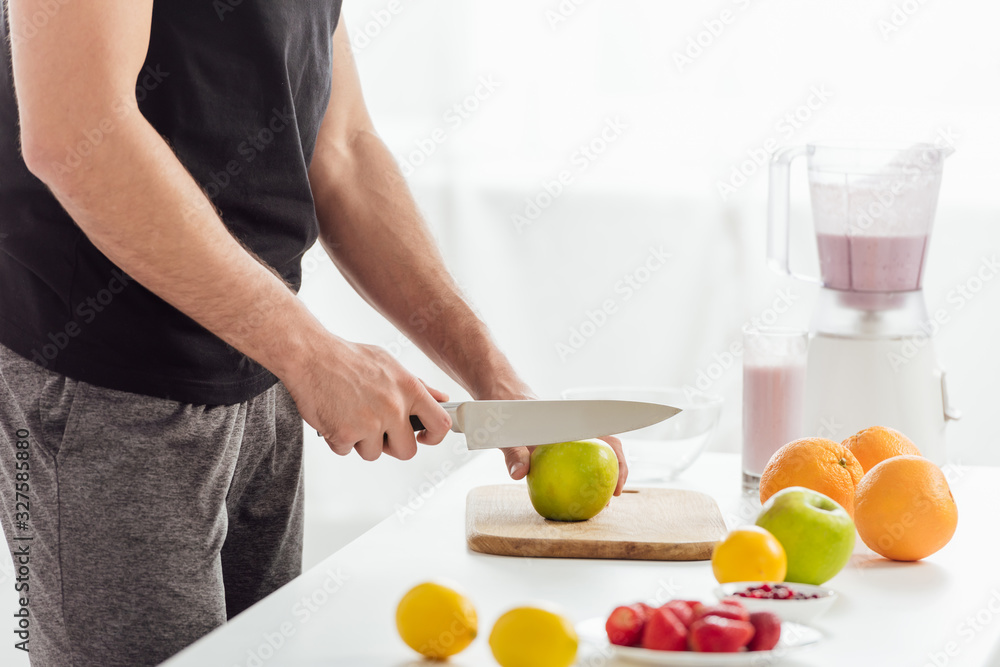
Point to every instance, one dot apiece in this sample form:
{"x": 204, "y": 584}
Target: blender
{"x": 871, "y": 358}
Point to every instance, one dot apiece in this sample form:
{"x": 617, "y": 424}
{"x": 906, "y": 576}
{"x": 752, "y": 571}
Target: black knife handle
{"x": 451, "y": 407}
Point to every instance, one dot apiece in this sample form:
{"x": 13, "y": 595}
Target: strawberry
{"x": 717, "y": 634}
{"x": 682, "y": 611}
{"x": 690, "y": 603}
{"x": 646, "y": 609}
{"x": 663, "y": 632}
{"x": 625, "y": 624}
{"x": 736, "y": 612}
{"x": 767, "y": 631}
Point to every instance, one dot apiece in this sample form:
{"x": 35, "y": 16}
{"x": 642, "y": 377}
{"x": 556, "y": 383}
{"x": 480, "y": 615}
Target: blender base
{"x": 854, "y": 383}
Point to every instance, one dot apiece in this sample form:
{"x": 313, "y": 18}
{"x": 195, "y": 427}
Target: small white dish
{"x": 793, "y": 637}
{"x": 796, "y": 611}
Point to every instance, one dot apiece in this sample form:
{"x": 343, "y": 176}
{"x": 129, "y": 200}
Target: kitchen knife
{"x": 489, "y": 424}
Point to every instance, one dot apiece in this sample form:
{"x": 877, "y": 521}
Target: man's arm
{"x": 136, "y": 203}
{"x": 370, "y": 227}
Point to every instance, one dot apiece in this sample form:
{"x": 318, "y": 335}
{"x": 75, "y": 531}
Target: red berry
{"x": 663, "y": 632}
{"x": 625, "y": 625}
{"x": 767, "y": 631}
{"x": 773, "y": 592}
{"x": 682, "y": 611}
{"x": 715, "y": 634}
{"x": 645, "y": 608}
{"x": 724, "y": 609}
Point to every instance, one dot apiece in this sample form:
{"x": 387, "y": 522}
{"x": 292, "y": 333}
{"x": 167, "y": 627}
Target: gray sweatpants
{"x": 140, "y": 524}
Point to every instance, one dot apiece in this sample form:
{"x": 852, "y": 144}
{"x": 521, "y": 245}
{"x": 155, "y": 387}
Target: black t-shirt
{"x": 238, "y": 88}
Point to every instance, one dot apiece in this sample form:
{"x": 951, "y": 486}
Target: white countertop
{"x": 342, "y": 611}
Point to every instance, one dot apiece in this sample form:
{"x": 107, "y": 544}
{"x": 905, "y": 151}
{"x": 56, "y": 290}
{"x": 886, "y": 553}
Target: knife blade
{"x": 493, "y": 424}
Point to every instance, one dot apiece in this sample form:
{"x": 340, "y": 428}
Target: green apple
{"x": 816, "y": 532}
{"x": 572, "y": 481}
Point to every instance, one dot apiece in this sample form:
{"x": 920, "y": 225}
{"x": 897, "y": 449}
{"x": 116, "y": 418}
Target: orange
{"x": 878, "y": 443}
{"x": 815, "y": 463}
{"x": 904, "y": 509}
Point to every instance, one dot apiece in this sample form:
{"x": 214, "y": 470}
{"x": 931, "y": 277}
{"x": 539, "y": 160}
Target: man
{"x": 165, "y": 165}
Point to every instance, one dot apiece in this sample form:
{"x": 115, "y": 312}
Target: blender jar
{"x": 873, "y": 209}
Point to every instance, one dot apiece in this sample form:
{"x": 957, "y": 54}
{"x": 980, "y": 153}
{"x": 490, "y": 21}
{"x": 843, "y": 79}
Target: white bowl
{"x": 796, "y": 611}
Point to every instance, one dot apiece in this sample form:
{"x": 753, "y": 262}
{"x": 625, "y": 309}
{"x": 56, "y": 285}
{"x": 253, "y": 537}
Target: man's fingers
{"x": 518, "y": 461}
{"x": 431, "y": 436}
{"x": 434, "y": 418}
{"x": 438, "y": 395}
{"x": 338, "y": 448}
{"x": 616, "y": 445}
{"x": 400, "y": 443}
{"x": 369, "y": 449}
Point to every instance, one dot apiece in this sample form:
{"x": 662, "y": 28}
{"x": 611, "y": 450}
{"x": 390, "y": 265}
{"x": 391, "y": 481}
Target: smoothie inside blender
{"x": 872, "y": 225}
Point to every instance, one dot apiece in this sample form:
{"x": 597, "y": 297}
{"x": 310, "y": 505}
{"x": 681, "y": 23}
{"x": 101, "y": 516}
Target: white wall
{"x": 556, "y": 86}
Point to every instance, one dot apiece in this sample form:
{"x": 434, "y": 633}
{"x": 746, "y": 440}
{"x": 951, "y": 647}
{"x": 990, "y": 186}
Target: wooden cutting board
{"x": 641, "y": 524}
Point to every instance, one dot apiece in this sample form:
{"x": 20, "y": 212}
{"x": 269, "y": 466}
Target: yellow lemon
{"x": 533, "y": 637}
{"x": 436, "y": 621}
{"x": 749, "y": 554}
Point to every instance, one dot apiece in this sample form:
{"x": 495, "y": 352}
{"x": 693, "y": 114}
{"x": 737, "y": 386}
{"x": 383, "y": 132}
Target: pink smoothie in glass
{"x": 871, "y": 263}
{"x": 772, "y": 411}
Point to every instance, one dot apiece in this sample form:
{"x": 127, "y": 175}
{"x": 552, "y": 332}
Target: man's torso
{"x": 238, "y": 89}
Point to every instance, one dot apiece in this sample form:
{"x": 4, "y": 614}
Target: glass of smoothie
{"x": 774, "y": 380}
